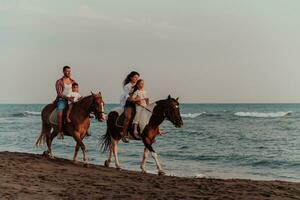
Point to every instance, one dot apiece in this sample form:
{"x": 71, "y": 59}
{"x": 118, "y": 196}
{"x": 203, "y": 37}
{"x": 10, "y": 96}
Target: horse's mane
{"x": 81, "y": 100}
{"x": 163, "y": 101}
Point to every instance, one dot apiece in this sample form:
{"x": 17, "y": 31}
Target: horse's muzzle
{"x": 179, "y": 125}
{"x": 103, "y": 117}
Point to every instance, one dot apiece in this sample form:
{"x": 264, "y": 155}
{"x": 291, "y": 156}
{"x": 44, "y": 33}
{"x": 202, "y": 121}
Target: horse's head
{"x": 97, "y": 106}
{"x": 172, "y": 112}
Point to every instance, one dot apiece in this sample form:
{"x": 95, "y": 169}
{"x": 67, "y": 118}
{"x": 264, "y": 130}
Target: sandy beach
{"x": 29, "y": 176}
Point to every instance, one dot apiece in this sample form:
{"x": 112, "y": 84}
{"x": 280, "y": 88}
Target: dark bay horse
{"x": 154, "y": 114}
{"x": 80, "y": 122}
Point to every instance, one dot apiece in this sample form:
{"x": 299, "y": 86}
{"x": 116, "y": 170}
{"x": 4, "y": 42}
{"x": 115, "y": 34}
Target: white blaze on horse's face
{"x": 103, "y": 116}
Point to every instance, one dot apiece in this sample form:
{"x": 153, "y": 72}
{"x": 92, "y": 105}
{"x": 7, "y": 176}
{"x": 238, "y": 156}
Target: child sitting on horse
{"x": 140, "y": 96}
{"x": 74, "y": 96}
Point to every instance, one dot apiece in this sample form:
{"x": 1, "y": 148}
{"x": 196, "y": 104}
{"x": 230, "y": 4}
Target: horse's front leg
{"x": 78, "y": 139}
{"x": 76, "y": 152}
{"x": 143, "y": 163}
{"x": 115, "y": 151}
{"x": 160, "y": 170}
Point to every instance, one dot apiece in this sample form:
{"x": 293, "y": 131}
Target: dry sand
{"x": 29, "y": 176}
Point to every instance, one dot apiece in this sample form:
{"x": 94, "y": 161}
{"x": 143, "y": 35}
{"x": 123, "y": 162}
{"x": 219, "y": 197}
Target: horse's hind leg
{"x": 46, "y": 129}
{"x": 143, "y": 163}
{"x": 115, "y": 151}
{"x": 108, "y": 161}
{"x": 49, "y": 139}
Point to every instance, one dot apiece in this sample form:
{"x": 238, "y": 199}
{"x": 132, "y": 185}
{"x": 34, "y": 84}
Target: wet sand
{"x": 29, "y": 176}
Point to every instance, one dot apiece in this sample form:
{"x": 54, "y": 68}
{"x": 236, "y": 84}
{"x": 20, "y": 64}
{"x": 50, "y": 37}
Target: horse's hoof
{"x": 86, "y": 165}
{"x": 161, "y": 173}
{"x": 74, "y": 161}
{"x": 144, "y": 172}
{"x": 118, "y": 168}
{"x": 46, "y": 154}
{"x": 106, "y": 163}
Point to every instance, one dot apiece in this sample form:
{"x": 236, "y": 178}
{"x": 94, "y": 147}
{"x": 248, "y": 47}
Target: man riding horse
{"x": 63, "y": 89}
{"x": 79, "y": 116}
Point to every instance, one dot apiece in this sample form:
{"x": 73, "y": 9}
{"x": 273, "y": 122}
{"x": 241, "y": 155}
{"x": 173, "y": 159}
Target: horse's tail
{"x": 46, "y": 128}
{"x": 106, "y": 140}
{"x": 41, "y": 140}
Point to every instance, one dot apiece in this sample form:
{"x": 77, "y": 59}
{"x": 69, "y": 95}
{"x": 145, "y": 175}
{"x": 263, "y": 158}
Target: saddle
{"x": 53, "y": 116}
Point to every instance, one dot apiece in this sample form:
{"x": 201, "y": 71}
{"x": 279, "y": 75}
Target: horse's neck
{"x": 83, "y": 107}
{"x": 158, "y": 115}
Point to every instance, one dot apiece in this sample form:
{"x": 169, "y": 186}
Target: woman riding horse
{"x": 127, "y": 102}
{"x": 154, "y": 114}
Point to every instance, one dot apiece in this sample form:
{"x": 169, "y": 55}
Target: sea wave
{"x": 26, "y": 113}
{"x": 263, "y": 114}
{"x": 32, "y": 113}
{"x": 192, "y": 115}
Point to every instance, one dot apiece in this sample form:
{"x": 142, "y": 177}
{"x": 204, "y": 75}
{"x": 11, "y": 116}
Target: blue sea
{"x": 252, "y": 141}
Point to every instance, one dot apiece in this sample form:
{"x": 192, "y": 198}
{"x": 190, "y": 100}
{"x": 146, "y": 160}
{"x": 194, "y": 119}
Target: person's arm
{"x": 81, "y": 97}
{"x": 146, "y": 98}
{"x": 59, "y": 89}
{"x": 126, "y": 90}
{"x": 147, "y": 101}
{"x": 70, "y": 98}
{"x": 135, "y": 98}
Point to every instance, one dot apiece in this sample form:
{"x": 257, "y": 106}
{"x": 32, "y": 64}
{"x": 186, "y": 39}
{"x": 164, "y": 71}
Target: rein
{"x": 145, "y": 108}
{"x": 150, "y": 110}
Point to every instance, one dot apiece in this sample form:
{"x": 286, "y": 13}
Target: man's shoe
{"x": 125, "y": 139}
{"x": 60, "y": 136}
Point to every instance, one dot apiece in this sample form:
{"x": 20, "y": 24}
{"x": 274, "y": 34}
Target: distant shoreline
{"x": 182, "y": 103}
{"x": 26, "y": 175}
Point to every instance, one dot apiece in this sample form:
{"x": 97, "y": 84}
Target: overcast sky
{"x": 204, "y": 51}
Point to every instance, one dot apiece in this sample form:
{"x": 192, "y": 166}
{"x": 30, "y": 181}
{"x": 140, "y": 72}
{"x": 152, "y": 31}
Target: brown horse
{"x": 153, "y": 115}
{"x": 77, "y": 128}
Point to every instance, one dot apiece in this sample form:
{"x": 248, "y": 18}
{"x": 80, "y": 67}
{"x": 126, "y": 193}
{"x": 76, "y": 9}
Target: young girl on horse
{"x": 140, "y": 96}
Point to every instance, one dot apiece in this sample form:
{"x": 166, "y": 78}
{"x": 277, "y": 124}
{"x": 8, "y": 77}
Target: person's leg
{"x": 68, "y": 112}
{"x": 61, "y": 104}
{"x": 136, "y": 120}
{"x": 128, "y": 116}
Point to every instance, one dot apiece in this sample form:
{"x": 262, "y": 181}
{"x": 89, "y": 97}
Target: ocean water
{"x": 253, "y": 141}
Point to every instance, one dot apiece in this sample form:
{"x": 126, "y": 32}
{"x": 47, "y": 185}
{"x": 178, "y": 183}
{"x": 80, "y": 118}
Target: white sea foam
{"x": 200, "y": 176}
{"x": 32, "y": 113}
{"x": 192, "y": 115}
{"x": 263, "y": 114}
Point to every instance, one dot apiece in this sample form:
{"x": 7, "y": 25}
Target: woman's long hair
{"x": 129, "y": 76}
{"x": 135, "y": 88}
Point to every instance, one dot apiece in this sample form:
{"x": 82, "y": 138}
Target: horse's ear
{"x": 92, "y": 93}
{"x": 177, "y": 99}
{"x": 169, "y": 97}
{"x": 100, "y": 93}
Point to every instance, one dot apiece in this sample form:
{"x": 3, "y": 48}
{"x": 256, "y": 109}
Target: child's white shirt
{"x": 142, "y": 94}
{"x": 76, "y": 96}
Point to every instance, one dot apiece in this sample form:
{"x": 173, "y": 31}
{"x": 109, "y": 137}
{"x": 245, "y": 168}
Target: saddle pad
{"x": 53, "y": 117}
